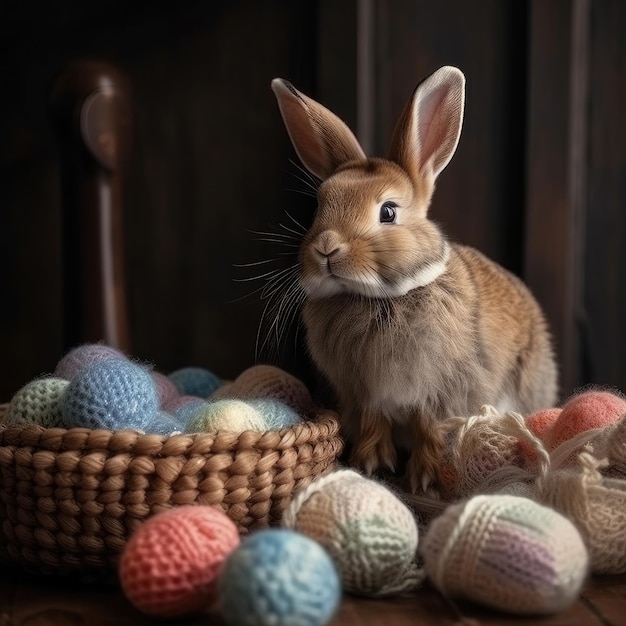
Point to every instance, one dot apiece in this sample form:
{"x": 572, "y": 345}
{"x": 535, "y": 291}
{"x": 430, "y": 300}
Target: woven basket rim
{"x": 323, "y": 424}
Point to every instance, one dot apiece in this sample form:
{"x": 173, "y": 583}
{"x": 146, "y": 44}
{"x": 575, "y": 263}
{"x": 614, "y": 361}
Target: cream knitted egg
{"x": 506, "y": 552}
{"x": 370, "y": 534}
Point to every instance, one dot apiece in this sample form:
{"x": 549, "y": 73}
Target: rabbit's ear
{"x": 323, "y": 142}
{"x": 428, "y": 130}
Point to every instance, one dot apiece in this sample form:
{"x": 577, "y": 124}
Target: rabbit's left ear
{"x": 428, "y": 130}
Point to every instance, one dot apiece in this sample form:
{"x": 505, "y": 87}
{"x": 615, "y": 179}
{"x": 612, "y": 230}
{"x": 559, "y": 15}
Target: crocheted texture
{"x": 267, "y": 381}
{"x": 596, "y": 505}
{"x": 70, "y": 499}
{"x": 238, "y": 415}
{"x": 82, "y": 357}
{"x": 281, "y": 578}
{"x": 163, "y": 423}
{"x": 506, "y": 552}
{"x": 169, "y": 566}
{"x": 195, "y": 381}
{"x": 369, "y": 533}
{"x": 38, "y": 402}
{"x": 112, "y": 394}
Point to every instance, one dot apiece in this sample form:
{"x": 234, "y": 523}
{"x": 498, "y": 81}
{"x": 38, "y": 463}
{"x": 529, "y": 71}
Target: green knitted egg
{"x": 370, "y": 534}
{"x": 38, "y": 402}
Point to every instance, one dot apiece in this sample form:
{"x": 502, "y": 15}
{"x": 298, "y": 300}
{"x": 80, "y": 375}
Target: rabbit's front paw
{"x": 374, "y": 448}
{"x": 422, "y": 468}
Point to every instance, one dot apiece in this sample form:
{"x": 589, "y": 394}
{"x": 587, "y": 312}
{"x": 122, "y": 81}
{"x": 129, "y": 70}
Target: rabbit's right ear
{"x": 428, "y": 131}
{"x": 323, "y": 141}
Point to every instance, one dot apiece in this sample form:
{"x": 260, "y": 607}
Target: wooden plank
{"x": 605, "y": 262}
{"x": 555, "y": 202}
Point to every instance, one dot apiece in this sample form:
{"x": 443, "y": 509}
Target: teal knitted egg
{"x": 195, "y": 381}
{"x": 278, "y": 577}
{"x": 38, "y": 402}
{"x": 113, "y": 394}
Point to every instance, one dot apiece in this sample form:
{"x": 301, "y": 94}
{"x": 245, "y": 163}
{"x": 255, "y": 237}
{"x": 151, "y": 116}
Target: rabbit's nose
{"x": 328, "y": 244}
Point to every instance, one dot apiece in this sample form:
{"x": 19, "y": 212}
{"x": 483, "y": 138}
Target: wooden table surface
{"x": 47, "y": 601}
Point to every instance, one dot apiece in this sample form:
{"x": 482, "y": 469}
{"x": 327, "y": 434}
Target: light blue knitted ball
{"x": 113, "y": 394}
{"x": 195, "y": 381}
{"x": 82, "y": 357}
{"x": 276, "y": 414}
{"x": 163, "y": 423}
{"x": 38, "y": 402}
{"x": 184, "y": 413}
{"x": 278, "y": 577}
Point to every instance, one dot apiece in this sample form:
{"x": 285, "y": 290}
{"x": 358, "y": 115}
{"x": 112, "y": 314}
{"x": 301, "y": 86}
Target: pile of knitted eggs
{"x": 96, "y": 386}
{"x": 348, "y": 533}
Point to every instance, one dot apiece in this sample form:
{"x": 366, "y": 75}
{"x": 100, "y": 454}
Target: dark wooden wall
{"x": 537, "y": 183}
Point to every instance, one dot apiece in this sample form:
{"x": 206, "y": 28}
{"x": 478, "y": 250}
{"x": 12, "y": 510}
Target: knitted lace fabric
{"x": 479, "y": 449}
{"x": 506, "y": 552}
{"x": 370, "y": 534}
{"x": 597, "y": 506}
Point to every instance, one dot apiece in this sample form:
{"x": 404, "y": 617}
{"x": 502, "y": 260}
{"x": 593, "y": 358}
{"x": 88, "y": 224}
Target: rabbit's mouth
{"x": 335, "y": 275}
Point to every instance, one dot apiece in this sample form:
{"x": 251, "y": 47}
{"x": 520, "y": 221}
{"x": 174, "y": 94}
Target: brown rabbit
{"x": 409, "y": 328}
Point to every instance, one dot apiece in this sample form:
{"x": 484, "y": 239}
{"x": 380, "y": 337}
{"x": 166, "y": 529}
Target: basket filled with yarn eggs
{"x": 93, "y": 449}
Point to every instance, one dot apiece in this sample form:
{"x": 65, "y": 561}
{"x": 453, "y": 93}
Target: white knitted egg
{"x": 370, "y": 534}
{"x": 506, "y": 552}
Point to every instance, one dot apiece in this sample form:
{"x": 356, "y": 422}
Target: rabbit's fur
{"x": 408, "y": 328}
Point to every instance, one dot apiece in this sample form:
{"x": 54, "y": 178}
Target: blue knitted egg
{"x": 163, "y": 423}
{"x": 195, "y": 381}
{"x": 82, "y": 357}
{"x": 38, "y": 402}
{"x": 113, "y": 394}
{"x": 184, "y": 413}
{"x": 278, "y": 577}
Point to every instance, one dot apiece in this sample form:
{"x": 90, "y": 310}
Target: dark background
{"x": 538, "y": 182}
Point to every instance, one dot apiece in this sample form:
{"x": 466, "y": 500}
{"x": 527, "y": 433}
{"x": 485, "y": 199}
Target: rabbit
{"x": 408, "y": 327}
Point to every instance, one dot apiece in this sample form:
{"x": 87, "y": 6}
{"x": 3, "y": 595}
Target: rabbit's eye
{"x": 388, "y": 213}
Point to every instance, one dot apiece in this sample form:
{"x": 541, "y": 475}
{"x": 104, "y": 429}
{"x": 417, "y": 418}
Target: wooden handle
{"x": 90, "y": 105}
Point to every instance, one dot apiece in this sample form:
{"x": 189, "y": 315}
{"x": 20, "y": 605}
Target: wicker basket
{"x": 69, "y": 499}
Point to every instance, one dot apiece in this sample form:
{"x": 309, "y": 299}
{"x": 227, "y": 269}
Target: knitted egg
{"x": 596, "y": 505}
{"x": 540, "y": 422}
{"x": 163, "y": 423}
{"x": 368, "y": 532}
{"x": 278, "y": 577}
{"x": 239, "y": 415}
{"x": 478, "y": 447}
{"x": 233, "y": 415}
{"x": 195, "y": 381}
{"x": 268, "y": 381}
{"x": 82, "y": 357}
{"x": 586, "y": 411}
{"x": 170, "y": 564}
{"x": 114, "y": 394}
{"x": 166, "y": 389}
{"x": 506, "y": 552}
{"x": 38, "y": 402}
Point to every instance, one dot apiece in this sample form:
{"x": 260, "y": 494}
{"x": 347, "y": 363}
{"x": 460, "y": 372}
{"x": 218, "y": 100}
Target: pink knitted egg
{"x": 170, "y": 565}
{"x": 586, "y": 411}
{"x": 166, "y": 389}
{"x": 540, "y": 422}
